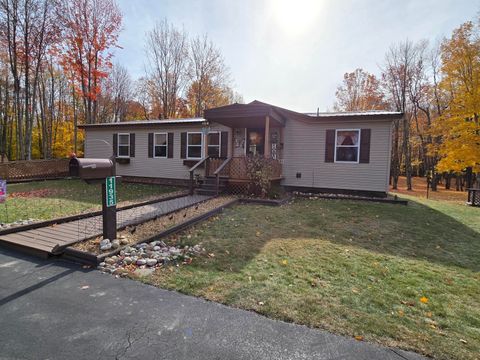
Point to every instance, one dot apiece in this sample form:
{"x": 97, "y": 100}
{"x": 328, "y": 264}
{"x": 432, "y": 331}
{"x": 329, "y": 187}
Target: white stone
{"x": 151, "y": 262}
{"x": 104, "y": 242}
{"x": 106, "y": 247}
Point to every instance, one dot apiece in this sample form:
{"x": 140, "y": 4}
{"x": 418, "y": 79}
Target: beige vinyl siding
{"x": 304, "y": 152}
{"x": 141, "y": 165}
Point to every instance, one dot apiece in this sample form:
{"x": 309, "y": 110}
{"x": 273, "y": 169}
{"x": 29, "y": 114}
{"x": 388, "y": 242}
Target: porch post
{"x": 205, "y": 145}
{"x": 267, "y": 149}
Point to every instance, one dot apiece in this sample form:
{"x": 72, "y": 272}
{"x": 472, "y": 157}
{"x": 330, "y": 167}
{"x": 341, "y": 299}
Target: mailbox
{"x": 91, "y": 169}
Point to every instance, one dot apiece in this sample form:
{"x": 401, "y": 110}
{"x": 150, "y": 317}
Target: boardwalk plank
{"x": 26, "y": 242}
{"x": 45, "y": 239}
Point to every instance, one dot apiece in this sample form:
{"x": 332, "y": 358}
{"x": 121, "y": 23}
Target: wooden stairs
{"x": 208, "y": 186}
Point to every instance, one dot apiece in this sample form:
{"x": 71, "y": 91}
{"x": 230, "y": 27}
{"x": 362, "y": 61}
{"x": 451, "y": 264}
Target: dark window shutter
{"x": 365, "y": 146}
{"x": 330, "y": 145}
{"x": 150, "y": 145}
{"x": 132, "y": 145}
{"x": 115, "y": 144}
{"x": 183, "y": 145}
{"x": 224, "y": 145}
{"x": 170, "y": 146}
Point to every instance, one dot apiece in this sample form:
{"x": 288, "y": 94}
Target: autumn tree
{"x": 359, "y": 91}
{"x": 459, "y": 124}
{"x": 90, "y": 28}
{"x": 27, "y": 31}
{"x": 209, "y": 77}
{"x": 116, "y": 92}
{"x": 167, "y": 56}
{"x": 400, "y": 70}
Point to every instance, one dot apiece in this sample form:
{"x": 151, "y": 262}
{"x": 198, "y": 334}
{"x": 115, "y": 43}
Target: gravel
{"x": 150, "y": 228}
{"x": 149, "y": 255}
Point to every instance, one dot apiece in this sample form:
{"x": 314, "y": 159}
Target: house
{"x": 329, "y": 152}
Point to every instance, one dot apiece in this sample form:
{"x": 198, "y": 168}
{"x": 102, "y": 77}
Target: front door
{"x": 255, "y": 141}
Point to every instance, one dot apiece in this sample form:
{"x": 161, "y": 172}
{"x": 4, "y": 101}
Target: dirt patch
{"x": 40, "y": 193}
{"x": 419, "y": 186}
{"x": 143, "y": 231}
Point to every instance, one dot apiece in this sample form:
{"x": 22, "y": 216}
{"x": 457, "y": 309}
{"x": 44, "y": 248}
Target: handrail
{"x": 217, "y": 174}
{"x": 221, "y": 167}
{"x": 192, "y": 169}
{"x": 200, "y": 162}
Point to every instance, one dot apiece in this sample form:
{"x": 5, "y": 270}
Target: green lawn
{"x": 55, "y": 198}
{"x": 405, "y": 276}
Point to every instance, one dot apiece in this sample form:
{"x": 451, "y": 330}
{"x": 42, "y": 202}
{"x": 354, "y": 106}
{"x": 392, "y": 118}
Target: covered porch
{"x": 256, "y": 142}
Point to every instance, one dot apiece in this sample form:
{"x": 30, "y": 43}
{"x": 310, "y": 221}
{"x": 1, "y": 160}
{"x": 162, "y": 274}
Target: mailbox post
{"x": 94, "y": 171}
{"x": 109, "y": 208}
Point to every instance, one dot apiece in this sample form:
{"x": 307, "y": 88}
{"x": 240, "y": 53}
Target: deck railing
{"x": 241, "y": 167}
{"x": 238, "y": 169}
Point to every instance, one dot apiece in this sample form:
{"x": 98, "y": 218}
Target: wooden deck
{"x": 53, "y": 239}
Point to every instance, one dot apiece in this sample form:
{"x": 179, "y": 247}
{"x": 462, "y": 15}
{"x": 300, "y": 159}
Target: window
{"x": 160, "y": 145}
{"x": 214, "y": 144}
{"x": 347, "y": 145}
{"x": 123, "y": 145}
{"x": 194, "y": 145}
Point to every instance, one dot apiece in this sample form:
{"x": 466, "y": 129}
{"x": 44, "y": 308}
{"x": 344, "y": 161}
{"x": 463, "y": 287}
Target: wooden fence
{"x": 34, "y": 169}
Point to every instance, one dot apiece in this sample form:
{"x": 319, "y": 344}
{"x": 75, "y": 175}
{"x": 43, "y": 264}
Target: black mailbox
{"x": 91, "y": 169}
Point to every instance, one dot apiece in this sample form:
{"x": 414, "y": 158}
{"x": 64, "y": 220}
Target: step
{"x": 210, "y": 192}
{"x": 211, "y": 186}
{"x": 214, "y": 181}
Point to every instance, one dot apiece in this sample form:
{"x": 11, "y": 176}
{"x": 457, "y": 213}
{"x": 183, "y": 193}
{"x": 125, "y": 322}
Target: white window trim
{"x": 357, "y": 146}
{"x": 118, "y": 146}
{"x": 219, "y": 141}
{"x": 201, "y": 145}
{"x": 155, "y": 144}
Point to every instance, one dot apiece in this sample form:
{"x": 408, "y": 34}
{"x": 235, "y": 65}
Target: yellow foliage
{"x": 459, "y": 125}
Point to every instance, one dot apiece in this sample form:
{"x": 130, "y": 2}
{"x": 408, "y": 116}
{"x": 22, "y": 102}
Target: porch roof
{"x": 251, "y": 115}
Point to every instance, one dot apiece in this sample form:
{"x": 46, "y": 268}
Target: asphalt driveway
{"x": 57, "y": 310}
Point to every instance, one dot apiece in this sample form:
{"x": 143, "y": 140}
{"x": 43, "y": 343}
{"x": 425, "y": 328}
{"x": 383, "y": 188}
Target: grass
{"x": 56, "y": 198}
{"x": 353, "y": 268}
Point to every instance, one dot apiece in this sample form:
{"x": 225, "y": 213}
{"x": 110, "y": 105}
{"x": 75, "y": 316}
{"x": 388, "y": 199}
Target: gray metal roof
{"x": 149, "y": 122}
{"x": 354, "y": 113}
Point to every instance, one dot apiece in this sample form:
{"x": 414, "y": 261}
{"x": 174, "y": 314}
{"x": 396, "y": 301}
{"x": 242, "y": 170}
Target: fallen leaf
{"x": 400, "y": 313}
{"x": 424, "y": 300}
{"x": 261, "y": 303}
{"x": 409, "y": 303}
{"x": 429, "y": 314}
{"x": 284, "y": 262}
{"x": 84, "y": 287}
{"x": 463, "y": 341}
{"x": 355, "y": 290}
{"x": 257, "y": 234}
{"x": 359, "y": 338}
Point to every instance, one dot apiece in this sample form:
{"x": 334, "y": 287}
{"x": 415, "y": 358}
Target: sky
{"x": 288, "y": 53}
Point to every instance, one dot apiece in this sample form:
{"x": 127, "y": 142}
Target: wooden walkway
{"x": 53, "y": 239}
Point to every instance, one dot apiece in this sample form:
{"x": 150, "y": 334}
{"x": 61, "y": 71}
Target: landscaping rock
{"x": 104, "y": 242}
{"x": 151, "y": 262}
{"x": 141, "y": 262}
{"x": 116, "y": 244}
{"x": 128, "y": 260}
{"x": 110, "y": 260}
{"x": 123, "y": 241}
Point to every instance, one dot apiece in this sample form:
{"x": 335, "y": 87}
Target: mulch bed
{"x": 132, "y": 235}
